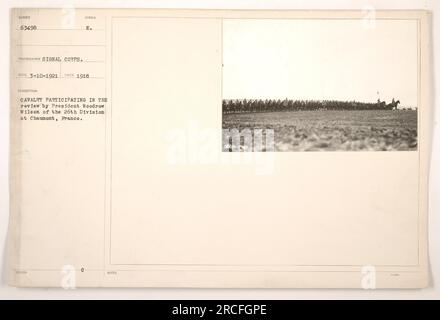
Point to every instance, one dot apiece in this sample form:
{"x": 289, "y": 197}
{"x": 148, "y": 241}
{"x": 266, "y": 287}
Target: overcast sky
{"x": 320, "y": 59}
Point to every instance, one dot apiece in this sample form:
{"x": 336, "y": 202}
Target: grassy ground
{"x": 333, "y": 130}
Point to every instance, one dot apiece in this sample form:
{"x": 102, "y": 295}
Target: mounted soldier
{"x": 381, "y": 104}
{"x": 393, "y": 105}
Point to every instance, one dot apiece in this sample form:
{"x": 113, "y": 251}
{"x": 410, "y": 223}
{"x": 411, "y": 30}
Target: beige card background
{"x": 140, "y": 197}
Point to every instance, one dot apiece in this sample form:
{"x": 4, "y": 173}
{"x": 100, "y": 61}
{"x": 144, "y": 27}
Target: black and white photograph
{"x": 320, "y": 85}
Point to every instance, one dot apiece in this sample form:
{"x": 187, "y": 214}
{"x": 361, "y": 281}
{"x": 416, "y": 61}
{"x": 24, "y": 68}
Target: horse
{"x": 393, "y": 105}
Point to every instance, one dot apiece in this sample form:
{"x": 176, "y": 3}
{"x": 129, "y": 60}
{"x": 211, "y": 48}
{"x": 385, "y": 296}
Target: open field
{"x": 326, "y": 130}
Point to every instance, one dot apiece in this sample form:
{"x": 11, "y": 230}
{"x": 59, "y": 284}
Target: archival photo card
{"x": 161, "y": 148}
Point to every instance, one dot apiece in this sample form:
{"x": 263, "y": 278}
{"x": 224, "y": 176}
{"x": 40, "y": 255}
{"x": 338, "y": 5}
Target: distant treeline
{"x": 270, "y": 105}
